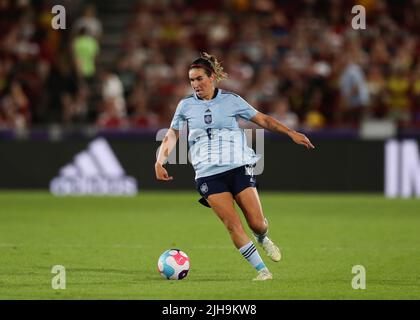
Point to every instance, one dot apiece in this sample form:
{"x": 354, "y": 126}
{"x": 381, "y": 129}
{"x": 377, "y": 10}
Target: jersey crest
{"x": 208, "y": 118}
{"x": 204, "y": 188}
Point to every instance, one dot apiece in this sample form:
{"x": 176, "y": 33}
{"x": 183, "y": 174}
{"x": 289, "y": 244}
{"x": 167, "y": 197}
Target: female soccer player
{"x": 222, "y": 160}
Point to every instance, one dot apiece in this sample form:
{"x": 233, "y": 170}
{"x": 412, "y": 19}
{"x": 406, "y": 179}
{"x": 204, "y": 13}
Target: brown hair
{"x": 210, "y": 64}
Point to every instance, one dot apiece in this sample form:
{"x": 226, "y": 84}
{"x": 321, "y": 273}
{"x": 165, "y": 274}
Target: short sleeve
{"x": 178, "y": 118}
{"x": 244, "y": 109}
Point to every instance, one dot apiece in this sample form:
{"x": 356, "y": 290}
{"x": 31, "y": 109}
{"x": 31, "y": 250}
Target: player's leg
{"x": 249, "y": 202}
{"x": 223, "y": 205}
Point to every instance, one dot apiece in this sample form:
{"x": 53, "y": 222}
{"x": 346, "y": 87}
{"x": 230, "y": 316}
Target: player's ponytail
{"x": 217, "y": 66}
{"x": 210, "y": 64}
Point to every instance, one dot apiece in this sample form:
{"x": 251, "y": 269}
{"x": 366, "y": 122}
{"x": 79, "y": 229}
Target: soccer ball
{"x": 173, "y": 264}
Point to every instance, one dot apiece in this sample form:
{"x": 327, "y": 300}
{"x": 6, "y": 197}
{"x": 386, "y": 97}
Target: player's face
{"x": 202, "y": 84}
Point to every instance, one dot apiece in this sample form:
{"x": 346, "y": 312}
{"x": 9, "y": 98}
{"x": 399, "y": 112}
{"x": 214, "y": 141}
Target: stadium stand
{"x": 128, "y": 70}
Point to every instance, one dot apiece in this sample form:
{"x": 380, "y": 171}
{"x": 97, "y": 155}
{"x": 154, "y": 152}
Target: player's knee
{"x": 234, "y": 227}
{"x": 258, "y": 226}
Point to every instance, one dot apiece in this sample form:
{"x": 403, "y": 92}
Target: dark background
{"x": 335, "y": 164}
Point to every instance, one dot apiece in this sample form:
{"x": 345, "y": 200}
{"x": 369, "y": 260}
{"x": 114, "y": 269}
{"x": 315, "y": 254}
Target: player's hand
{"x": 161, "y": 173}
{"x": 300, "y": 138}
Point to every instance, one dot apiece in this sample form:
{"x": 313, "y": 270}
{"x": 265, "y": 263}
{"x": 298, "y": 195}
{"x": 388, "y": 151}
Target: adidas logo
{"x": 95, "y": 171}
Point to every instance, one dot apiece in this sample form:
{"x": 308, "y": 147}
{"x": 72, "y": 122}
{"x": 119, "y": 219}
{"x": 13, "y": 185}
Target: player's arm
{"x": 273, "y": 125}
{"x": 168, "y": 144}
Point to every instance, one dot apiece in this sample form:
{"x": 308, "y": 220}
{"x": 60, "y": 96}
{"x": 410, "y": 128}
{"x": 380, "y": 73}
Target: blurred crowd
{"x": 300, "y": 61}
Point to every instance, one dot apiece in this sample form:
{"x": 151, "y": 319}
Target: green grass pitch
{"x": 110, "y": 247}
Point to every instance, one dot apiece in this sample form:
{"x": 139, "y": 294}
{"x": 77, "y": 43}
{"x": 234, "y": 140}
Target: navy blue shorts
{"x": 233, "y": 181}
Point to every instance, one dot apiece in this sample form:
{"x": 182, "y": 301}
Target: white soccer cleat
{"x": 271, "y": 249}
{"x": 263, "y": 275}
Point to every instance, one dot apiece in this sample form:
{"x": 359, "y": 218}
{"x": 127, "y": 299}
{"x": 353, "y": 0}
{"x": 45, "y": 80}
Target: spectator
{"x": 314, "y": 120}
{"x": 376, "y": 87}
{"x": 75, "y": 108}
{"x": 113, "y": 113}
{"x": 398, "y": 89}
{"x": 85, "y": 51}
{"x": 282, "y": 113}
{"x": 14, "y": 107}
{"x": 143, "y": 118}
{"x": 416, "y": 97}
{"x": 89, "y": 22}
{"x": 303, "y": 51}
{"x": 353, "y": 89}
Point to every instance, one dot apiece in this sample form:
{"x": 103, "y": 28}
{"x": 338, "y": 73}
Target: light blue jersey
{"x": 217, "y": 144}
